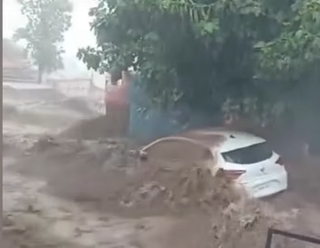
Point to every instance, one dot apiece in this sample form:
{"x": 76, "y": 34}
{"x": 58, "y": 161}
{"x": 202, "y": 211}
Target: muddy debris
{"x": 121, "y": 183}
{"x": 177, "y": 186}
{"x": 182, "y": 189}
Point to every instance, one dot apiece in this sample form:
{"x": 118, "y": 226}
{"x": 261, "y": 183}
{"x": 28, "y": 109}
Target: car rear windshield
{"x": 248, "y": 155}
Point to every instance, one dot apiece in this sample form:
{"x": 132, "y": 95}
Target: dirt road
{"x": 66, "y": 193}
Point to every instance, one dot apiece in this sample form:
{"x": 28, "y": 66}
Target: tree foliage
{"x": 47, "y": 21}
{"x": 242, "y": 56}
{"x": 289, "y": 64}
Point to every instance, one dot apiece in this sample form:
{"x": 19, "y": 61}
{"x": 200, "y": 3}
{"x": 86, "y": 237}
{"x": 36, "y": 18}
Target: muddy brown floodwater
{"x": 63, "y": 193}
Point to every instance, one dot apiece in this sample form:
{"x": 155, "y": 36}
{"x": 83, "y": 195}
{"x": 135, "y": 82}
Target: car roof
{"x": 229, "y": 139}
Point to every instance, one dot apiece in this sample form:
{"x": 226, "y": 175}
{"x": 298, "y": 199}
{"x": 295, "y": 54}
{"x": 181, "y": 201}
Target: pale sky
{"x": 79, "y": 35}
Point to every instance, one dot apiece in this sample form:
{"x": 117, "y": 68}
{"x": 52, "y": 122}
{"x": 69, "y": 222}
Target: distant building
{"x": 73, "y": 82}
{"x": 16, "y": 68}
{"x": 77, "y": 87}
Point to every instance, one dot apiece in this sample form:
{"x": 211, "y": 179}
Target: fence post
{"x": 269, "y": 238}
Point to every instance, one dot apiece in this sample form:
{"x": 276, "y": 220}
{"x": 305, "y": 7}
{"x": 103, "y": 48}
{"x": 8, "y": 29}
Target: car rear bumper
{"x": 267, "y": 186}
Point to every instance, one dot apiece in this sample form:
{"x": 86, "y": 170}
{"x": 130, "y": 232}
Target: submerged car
{"x": 244, "y": 158}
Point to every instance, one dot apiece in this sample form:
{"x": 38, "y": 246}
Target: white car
{"x": 245, "y": 158}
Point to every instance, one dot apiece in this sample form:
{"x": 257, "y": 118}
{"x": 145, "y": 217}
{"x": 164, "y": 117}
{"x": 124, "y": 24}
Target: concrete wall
{"x": 73, "y": 87}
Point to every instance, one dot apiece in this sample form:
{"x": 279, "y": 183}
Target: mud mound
{"x": 214, "y": 213}
{"x": 93, "y": 129}
{"x": 174, "y": 186}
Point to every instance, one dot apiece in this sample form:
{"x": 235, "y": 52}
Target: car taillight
{"x": 233, "y": 174}
{"x": 280, "y": 162}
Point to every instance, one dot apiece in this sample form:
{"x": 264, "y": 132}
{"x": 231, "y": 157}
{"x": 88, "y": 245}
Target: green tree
{"x": 290, "y": 64}
{"x": 47, "y": 21}
{"x": 247, "y": 57}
